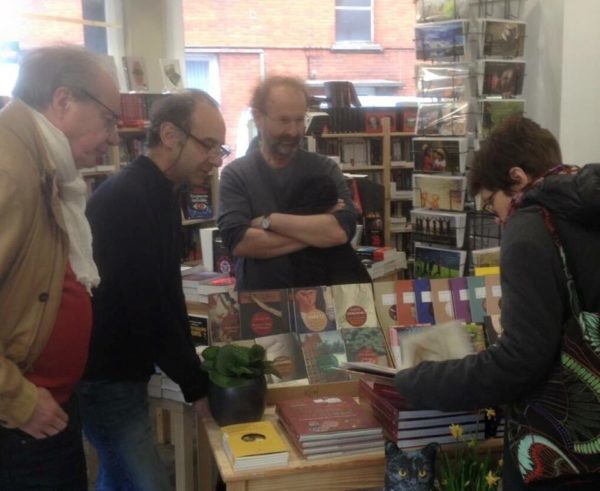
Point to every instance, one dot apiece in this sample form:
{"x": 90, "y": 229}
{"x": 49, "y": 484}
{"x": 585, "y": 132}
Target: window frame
{"x": 350, "y": 42}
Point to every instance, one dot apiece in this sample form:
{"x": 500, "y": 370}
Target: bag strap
{"x": 573, "y": 296}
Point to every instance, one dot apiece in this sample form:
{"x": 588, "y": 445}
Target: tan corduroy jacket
{"x": 33, "y": 257}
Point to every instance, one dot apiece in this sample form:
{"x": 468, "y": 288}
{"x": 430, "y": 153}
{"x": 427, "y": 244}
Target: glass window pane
{"x": 353, "y": 3}
{"x": 352, "y": 25}
{"x": 197, "y": 74}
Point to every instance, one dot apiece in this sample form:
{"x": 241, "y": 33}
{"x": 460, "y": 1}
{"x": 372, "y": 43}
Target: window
{"x": 353, "y": 21}
{"x": 202, "y": 72}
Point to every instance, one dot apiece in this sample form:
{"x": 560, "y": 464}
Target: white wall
{"x": 562, "y": 51}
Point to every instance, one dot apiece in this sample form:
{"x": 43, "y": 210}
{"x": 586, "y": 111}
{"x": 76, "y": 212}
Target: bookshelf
{"x": 381, "y": 157}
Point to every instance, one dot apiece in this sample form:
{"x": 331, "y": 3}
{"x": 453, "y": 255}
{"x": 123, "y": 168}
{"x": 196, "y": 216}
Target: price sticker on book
{"x": 463, "y": 295}
{"x": 496, "y": 291}
{"x": 480, "y": 292}
{"x": 444, "y": 296}
{"x": 426, "y": 297}
{"x": 388, "y": 299}
{"x": 408, "y": 297}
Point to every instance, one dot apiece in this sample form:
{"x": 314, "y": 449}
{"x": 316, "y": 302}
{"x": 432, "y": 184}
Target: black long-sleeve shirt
{"x": 140, "y": 318}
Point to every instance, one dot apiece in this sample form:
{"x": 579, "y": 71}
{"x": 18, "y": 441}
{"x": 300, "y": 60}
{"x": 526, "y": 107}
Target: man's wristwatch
{"x": 266, "y": 222}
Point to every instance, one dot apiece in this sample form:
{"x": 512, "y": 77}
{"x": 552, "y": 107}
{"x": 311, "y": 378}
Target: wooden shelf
{"x": 360, "y": 168}
{"x": 365, "y": 135}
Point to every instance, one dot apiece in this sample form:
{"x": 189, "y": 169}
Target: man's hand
{"x": 48, "y": 417}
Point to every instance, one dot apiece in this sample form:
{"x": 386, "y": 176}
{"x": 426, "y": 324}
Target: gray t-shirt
{"x": 249, "y": 187}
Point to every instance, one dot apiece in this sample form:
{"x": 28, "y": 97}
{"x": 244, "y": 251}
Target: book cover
{"x": 373, "y": 120}
{"x": 436, "y": 262}
{"x": 501, "y": 78}
{"x": 441, "y": 298}
{"x": 409, "y": 120}
{"x": 365, "y": 344}
{"x": 206, "y": 245}
{"x": 493, "y": 294}
{"x": 285, "y": 353}
{"x": 460, "y": 298}
{"x": 476, "y": 286}
{"x": 197, "y": 276}
{"x": 199, "y": 329}
{"x": 136, "y": 74}
{"x": 437, "y": 155}
{"x": 503, "y": 38}
{"x": 354, "y": 305}
{"x": 222, "y": 259}
{"x": 170, "y": 72}
{"x": 424, "y": 307}
{"x": 255, "y": 444}
{"x": 323, "y": 354}
{"x": 384, "y": 293}
{"x": 312, "y": 309}
{"x": 325, "y": 418}
{"x": 485, "y": 258}
{"x": 196, "y": 203}
{"x": 405, "y": 302}
{"x": 263, "y": 313}
{"x": 438, "y": 227}
{"x": 440, "y": 40}
{"x": 224, "y": 317}
{"x": 437, "y": 192}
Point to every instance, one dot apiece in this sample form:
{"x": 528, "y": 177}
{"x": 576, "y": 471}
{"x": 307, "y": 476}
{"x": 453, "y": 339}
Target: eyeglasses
{"x": 222, "y": 151}
{"x": 488, "y": 204}
{"x": 111, "y": 119}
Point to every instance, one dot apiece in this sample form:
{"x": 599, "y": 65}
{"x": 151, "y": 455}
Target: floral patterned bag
{"x": 555, "y": 431}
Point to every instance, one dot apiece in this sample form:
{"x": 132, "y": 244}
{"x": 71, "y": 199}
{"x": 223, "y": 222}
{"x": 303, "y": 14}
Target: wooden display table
{"x": 351, "y": 472}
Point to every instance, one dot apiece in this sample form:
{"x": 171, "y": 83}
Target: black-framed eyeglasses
{"x": 222, "y": 151}
{"x": 112, "y": 118}
{"x": 488, "y": 204}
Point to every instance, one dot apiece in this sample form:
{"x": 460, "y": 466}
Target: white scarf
{"x": 72, "y": 194}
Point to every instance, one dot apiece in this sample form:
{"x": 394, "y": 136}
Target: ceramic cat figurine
{"x": 409, "y": 470}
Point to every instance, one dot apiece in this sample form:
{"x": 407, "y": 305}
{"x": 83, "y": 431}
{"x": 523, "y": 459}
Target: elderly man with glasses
{"x": 61, "y": 119}
{"x": 140, "y": 317}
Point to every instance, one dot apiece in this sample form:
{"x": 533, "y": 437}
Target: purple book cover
{"x": 460, "y": 298}
{"x": 423, "y": 301}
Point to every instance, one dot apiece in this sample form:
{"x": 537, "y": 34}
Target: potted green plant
{"x": 238, "y": 388}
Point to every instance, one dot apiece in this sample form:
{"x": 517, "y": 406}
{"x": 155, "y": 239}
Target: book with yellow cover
{"x": 254, "y": 444}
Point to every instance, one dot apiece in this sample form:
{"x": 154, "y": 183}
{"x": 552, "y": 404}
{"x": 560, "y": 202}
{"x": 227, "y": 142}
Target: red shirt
{"x": 60, "y": 365}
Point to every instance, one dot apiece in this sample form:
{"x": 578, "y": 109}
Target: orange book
{"x": 405, "y": 303}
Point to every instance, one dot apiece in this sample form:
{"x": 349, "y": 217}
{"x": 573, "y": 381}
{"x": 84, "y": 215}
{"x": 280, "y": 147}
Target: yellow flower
{"x": 490, "y": 413}
{"x": 491, "y": 479}
{"x": 456, "y": 430}
{"x": 472, "y": 443}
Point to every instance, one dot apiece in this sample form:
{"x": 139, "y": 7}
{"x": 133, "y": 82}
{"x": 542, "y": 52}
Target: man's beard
{"x": 284, "y": 147}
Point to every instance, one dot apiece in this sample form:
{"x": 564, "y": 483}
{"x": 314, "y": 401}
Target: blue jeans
{"x": 117, "y": 423}
{"x": 55, "y": 463}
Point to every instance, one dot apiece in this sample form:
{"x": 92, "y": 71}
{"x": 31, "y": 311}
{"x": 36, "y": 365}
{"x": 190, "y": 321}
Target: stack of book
{"x": 254, "y": 445}
{"x": 416, "y": 428}
{"x": 199, "y": 284}
{"x": 330, "y": 426}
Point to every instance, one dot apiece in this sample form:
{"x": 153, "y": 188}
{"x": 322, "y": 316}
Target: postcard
{"x": 440, "y": 40}
{"x": 493, "y": 112}
{"x": 440, "y": 155}
{"x": 435, "y": 262}
{"x": 365, "y": 344}
{"x": 136, "y": 74}
{"x": 171, "y": 74}
{"x": 323, "y": 353}
{"x": 223, "y": 317}
{"x": 502, "y": 78}
{"x": 313, "y": 309}
{"x": 438, "y": 227}
{"x": 437, "y": 10}
{"x": 437, "y": 192}
{"x": 285, "y": 353}
{"x": 503, "y": 38}
{"x": 444, "y": 119}
{"x": 450, "y": 81}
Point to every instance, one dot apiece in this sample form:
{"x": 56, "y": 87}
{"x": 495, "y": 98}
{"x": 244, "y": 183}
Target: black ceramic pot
{"x": 238, "y": 404}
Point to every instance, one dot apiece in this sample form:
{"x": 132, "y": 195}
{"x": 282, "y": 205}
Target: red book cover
{"x": 326, "y": 418}
{"x": 263, "y": 313}
{"x": 405, "y": 303}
